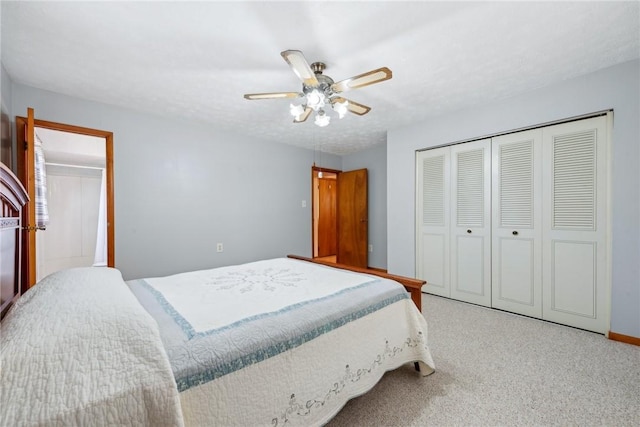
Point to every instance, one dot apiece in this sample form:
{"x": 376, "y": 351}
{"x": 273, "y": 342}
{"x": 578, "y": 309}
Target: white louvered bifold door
{"x": 432, "y": 219}
{"x": 575, "y": 284}
{"x": 471, "y": 222}
{"x": 516, "y": 278}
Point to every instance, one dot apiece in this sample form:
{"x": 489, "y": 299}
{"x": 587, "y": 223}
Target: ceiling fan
{"x": 320, "y": 91}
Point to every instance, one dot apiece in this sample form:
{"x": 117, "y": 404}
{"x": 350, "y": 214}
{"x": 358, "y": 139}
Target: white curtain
{"x": 100, "y": 258}
{"x": 42, "y": 210}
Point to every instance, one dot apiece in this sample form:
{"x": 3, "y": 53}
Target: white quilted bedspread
{"x": 208, "y": 299}
{"x": 78, "y": 349}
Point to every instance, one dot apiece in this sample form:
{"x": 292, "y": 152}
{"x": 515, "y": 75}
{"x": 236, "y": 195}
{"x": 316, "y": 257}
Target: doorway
{"x": 340, "y": 216}
{"x": 25, "y": 130}
{"x": 75, "y": 170}
{"x": 325, "y": 237}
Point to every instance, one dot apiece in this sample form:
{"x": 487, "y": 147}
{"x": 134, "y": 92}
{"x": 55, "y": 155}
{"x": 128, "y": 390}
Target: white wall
{"x": 5, "y": 89}
{"x": 6, "y": 149}
{"x": 616, "y": 88}
{"x": 181, "y": 187}
{"x": 375, "y": 161}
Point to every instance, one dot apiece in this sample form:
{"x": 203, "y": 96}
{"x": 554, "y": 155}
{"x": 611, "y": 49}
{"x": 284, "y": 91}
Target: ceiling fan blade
{"x": 300, "y": 66}
{"x": 304, "y": 116}
{"x": 366, "y": 79}
{"x": 273, "y": 95}
{"x": 352, "y": 106}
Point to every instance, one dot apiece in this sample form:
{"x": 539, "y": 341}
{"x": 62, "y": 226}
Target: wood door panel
{"x": 327, "y": 229}
{"x": 25, "y": 137}
{"x": 352, "y": 218}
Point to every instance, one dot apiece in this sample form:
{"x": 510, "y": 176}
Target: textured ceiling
{"x": 195, "y": 60}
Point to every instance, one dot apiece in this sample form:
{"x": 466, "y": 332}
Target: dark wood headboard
{"x": 12, "y": 198}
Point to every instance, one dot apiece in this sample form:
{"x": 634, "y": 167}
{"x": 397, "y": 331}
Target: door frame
{"x": 29, "y": 273}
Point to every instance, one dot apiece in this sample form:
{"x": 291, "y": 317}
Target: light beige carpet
{"x": 498, "y": 369}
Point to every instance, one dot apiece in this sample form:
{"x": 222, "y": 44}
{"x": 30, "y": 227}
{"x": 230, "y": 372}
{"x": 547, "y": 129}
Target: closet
{"x": 519, "y": 222}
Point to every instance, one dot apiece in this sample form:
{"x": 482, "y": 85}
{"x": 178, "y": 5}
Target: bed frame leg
{"x": 424, "y": 369}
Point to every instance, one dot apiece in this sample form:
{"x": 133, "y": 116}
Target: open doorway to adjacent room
{"x": 75, "y": 235}
{"x": 324, "y": 195}
{"x": 340, "y": 216}
{"x": 82, "y": 161}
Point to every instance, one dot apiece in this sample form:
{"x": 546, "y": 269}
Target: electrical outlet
{"x": 219, "y": 247}
{"x": 370, "y": 248}
{"x": 304, "y": 203}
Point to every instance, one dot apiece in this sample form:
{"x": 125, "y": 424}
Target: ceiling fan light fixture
{"x": 340, "y": 108}
{"x": 322, "y": 119}
{"x": 315, "y": 99}
{"x": 296, "y": 111}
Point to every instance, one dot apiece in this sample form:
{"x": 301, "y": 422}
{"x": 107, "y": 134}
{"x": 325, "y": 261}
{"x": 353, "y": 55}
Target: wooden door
{"x": 516, "y": 278}
{"x": 327, "y": 230}
{"x": 25, "y": 136}
{"x": 433, "y": 219}
{"x": 25, "y": 130}
{"x": 352, "y": 218}
{"x": 471, "y": 222}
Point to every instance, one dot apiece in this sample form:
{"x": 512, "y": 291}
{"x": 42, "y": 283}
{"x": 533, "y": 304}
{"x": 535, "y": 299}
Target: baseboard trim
{"x": 628, "y": 339}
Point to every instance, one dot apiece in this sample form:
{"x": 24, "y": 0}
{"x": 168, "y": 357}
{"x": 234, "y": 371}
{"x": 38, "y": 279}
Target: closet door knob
{"x": 469, "y": 231}
{"x": 515, "y": 233}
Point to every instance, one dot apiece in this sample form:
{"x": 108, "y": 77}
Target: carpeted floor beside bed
{"x": 498, "y": 369}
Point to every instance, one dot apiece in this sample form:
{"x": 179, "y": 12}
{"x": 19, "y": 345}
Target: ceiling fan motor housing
{"x": 318, "y": 67}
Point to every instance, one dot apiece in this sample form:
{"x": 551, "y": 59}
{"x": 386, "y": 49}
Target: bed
{"x": 272, "y": 342}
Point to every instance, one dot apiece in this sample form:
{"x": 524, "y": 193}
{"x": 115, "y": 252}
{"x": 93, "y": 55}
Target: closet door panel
{"x": 514, "y": 277}
{"x": 470, "y": 267}
{"x": 432, "y": 219}
{"x": 575, "y": 274}
{"x": 471, "y": 222}
{"x": 434, "y": 263}
{"x": 517, "y": 223}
